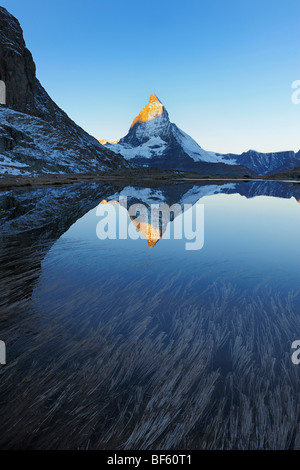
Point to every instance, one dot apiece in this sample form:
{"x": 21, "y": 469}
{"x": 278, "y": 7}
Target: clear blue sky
{"x": 222, "y": 68}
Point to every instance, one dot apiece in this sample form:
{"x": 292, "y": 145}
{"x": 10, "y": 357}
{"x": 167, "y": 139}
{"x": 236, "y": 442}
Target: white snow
{"x": 197, "y": 192}
{"x": 6, "y": 161}
{"x": 194, "y": 150}
{"x": 47, "y": 147}
{"x": 147, "y": 195}
{"x": 152, "y": 134}
{"x": 144, "y": 150}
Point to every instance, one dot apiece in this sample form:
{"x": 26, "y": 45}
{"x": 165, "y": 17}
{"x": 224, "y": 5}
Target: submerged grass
{"x": 103, "y": 374}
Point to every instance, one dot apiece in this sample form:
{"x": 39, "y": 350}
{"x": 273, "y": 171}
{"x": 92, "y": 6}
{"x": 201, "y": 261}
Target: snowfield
{"x": 157, "y": 146}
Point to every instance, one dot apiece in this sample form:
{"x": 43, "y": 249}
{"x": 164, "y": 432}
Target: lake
{"x": 139, "y": 343}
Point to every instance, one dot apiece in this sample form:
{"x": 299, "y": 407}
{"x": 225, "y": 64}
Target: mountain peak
{"x": 153, "y": 98}
{"x": 152, "y": 110}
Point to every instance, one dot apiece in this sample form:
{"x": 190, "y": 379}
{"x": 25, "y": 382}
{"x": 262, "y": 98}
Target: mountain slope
{"x": 153, "y": 140}
{"x": 35, "y": 134}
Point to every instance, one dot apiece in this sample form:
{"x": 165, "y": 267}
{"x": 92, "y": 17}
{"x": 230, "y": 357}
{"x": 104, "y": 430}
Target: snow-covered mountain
{"x": 267, "y": 163}
{"x": 153, "y": 140}
{"x": 36, "y": 136}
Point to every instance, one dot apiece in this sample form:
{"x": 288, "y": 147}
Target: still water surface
{"x": 116, "y": 344}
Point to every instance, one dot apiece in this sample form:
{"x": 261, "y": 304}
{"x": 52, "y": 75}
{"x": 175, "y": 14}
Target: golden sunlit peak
{"x": 108, "y": 202}
{"x": 153, "y": 98}
{"x": 150, "y": 232}
{"x": 153, "y": 109}
{"x": 105, "y": 141}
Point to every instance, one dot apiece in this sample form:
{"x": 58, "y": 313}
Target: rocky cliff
{"x": 36, "y": 136}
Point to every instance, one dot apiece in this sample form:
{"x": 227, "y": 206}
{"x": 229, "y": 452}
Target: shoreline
{"x": 165, "y": 176}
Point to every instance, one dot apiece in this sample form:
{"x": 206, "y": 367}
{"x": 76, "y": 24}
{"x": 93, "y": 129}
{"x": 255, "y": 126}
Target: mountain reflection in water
{"x": 112, "y": 345}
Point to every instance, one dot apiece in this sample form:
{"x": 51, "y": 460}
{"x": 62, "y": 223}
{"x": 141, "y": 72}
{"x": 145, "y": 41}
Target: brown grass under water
{"x": 216, "y": 376}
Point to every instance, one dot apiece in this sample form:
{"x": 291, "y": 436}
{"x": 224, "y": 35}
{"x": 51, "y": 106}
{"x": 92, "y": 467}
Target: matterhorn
{"x": 153, "y": 140}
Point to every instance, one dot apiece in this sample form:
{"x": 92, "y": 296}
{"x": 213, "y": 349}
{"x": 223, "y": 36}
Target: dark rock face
{"x": 179, "y": 160}
{"x": 17, "y": 68}
{"x": 25, "y": 94}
